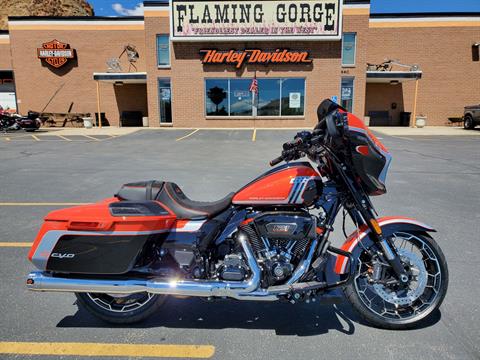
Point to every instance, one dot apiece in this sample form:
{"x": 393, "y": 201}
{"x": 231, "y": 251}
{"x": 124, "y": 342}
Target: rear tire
{"x": 468, "y": 122}
{"x": 120, "y": 309}
{"x": 357, "y": 297}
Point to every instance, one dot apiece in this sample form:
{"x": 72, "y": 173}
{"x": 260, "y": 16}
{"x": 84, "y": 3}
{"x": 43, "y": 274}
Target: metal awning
{"x": 392, "y": 76}
{"x": 124, "y": 78}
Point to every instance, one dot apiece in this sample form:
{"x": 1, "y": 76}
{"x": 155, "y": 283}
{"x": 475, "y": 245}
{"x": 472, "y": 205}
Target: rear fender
{"x": 389, "y": 226}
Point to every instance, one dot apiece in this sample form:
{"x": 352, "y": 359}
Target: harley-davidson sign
{"x": 254, "y": 56}
{"x": 228, "y": 20}
{"x": 55, "y": 53}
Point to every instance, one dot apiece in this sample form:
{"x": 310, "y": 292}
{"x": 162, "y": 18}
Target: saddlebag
{"x": 102, "y": 238}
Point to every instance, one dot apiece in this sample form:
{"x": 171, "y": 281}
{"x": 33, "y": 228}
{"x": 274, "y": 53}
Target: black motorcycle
{"x": 15, "y": 122}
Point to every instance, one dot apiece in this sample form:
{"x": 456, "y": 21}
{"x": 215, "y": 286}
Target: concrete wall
{"x": 450, "y": 78}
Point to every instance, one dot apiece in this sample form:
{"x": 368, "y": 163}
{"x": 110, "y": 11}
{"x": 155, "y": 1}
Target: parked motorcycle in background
{"x": 15, "y": 122}
{"x": 268, "y": 241}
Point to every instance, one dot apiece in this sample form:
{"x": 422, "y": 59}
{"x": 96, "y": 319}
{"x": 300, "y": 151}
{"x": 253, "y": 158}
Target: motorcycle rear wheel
{"x": 404, "y": 308}
{"x": 120, "y": 309}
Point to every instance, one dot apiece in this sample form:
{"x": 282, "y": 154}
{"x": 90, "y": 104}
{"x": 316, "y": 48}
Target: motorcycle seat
{"x": 170, "y": 194}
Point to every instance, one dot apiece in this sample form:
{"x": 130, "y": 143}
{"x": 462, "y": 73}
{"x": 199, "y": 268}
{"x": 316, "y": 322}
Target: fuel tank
{"x": 289, "y": 184}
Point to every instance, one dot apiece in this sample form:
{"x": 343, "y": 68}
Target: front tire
{"x": 386, "y": 308}
{"x": 120, "y": 309}
{"x": 468, "y": 122}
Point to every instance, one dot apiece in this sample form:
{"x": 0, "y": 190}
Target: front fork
{"x": 383, "y": 244}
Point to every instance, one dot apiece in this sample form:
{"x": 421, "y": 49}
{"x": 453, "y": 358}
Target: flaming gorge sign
{"x": 55, "y": 53}
{"x": 255, "y": 19}
{"x": 254, "y": 56}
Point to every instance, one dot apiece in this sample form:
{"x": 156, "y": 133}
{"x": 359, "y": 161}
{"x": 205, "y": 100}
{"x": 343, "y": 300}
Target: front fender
{"x": 389, "y": 225}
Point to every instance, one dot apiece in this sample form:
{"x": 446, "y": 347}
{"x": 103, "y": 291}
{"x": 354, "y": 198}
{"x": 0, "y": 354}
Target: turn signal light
{"x": 376, "y": 227}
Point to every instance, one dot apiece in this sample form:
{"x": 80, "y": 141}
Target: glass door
{"x": 165, "y": 101}
{"x": 347, "y": 93}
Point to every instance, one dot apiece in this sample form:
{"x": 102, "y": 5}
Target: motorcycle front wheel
{"x": 379, "y": 299}
{"x": 121, "y": 309}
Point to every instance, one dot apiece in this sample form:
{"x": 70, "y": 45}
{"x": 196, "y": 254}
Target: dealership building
{"x": 246, "y": 63}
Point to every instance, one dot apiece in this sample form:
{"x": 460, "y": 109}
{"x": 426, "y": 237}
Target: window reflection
{"x": 275, "y": 97}
{"x": 348, "y": 48}
{"x": 293, "y": 97}
{"x": 163, "y": 50}
{"x": 216, "y": 97}
{"x": 240, "y": 97}
{"x": 347, "y": 94}
{"x": 268, "y": 100}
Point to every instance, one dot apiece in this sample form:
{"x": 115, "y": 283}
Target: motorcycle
{"x": 268, "y": 241}
{"x": 15, "y": 122}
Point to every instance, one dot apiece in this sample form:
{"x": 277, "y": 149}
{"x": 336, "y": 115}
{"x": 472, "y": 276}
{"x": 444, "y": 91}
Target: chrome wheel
{"x": 379, "y": 291}
{"x": 121, "y": 303}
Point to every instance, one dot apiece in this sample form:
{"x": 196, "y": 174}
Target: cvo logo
{"x": 62, "y": 256}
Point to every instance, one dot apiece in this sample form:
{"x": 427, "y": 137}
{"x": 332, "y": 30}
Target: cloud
{"x": 120, "y": 10}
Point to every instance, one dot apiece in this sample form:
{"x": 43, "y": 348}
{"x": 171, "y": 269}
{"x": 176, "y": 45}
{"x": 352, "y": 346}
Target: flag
{"x": 254, "y": 85}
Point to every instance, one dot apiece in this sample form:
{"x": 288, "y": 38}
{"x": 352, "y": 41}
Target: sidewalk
{"x": 385, "y": 130}
{"x": 426, "y": 131}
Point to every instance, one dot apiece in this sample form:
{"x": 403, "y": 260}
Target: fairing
{"x": 370, "y": 158}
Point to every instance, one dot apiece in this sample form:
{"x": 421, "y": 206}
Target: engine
{"x": 279, "y": 240}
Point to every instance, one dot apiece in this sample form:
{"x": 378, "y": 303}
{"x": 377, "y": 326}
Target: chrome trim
{"x": 43, "y": 281}
{"x": 304, "y": 264}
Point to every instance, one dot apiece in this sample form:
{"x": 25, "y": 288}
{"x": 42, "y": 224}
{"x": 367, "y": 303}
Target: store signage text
{"x": 255, "y": 19}
{"x": 254, "y": 56}
{"x": 55, "y": 53}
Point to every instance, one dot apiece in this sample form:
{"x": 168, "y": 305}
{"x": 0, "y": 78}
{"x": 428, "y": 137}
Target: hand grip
{"x": 276, "y": 161}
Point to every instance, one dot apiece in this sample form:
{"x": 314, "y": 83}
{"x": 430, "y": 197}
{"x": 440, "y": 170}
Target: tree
{"x": 217, "y": 95}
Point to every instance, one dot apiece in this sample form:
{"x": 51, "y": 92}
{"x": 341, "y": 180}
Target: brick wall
{"x": 36, "y": 82}
{"x": 450, "y": 78}
{"x": 187, "y": 76}
{"x": 5, "y": 57}
{"x": 357, "y": 24}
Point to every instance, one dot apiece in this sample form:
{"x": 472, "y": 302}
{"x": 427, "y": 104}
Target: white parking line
{"x": 186, "y": 136}
{"x": 64, "y": 138}
{"x": 91, "y": 137}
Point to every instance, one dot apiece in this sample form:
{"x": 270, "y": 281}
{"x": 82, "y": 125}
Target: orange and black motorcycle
{"x": 268, "y": 241}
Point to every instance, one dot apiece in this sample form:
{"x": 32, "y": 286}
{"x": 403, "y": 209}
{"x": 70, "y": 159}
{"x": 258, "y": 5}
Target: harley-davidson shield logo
{"x": 55, "y": 53}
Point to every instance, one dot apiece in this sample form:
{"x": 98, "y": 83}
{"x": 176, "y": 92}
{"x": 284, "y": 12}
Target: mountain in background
{"x": 42, "y": 8}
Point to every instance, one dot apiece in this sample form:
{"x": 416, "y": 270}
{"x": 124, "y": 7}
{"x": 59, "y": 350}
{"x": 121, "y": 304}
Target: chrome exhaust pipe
{"x": 42, "y": 281}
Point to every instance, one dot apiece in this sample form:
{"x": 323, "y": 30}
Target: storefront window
{"x": 275, "y": 97}
{"x": 293, "y": 97}
{"x": 163, "y": 50}
{"x": 347, "y": 94}
{"x": 268, "y": 97}
{"x": 348, "y": 48}
{"x": 240, "y": 97}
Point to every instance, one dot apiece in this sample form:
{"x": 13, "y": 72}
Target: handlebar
{"x": 276, "y": 161}
{"x": 299, "y": 146}
{"x": 292, "y": 144}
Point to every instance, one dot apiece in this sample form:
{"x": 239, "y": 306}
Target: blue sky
{"x": 135, "y": 7}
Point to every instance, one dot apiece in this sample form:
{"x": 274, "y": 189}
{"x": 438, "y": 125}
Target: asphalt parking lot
{"x": 434, "y": 179}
